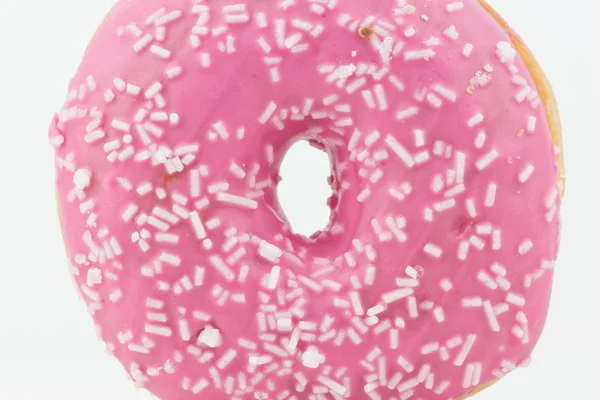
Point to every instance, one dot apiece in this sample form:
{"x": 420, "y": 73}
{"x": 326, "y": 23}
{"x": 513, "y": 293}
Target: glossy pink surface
{"x": 435, "y": 273}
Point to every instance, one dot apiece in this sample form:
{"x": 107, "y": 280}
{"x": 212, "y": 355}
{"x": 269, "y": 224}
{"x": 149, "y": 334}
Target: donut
{"x": 433, "y": 278}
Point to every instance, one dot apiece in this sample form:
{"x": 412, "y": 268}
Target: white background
{"x": 48, "y": 349}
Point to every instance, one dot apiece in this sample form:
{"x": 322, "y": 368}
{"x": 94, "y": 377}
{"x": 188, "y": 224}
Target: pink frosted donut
{"x": 434, "y": 275}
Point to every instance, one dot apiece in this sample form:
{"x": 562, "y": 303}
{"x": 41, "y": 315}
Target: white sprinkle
{"x": 501, "y": 308}
{"x": 470, "y": 204}
{"x": 407, "y": 113}
{"x": 142, "y": 43}
{"x": 266, "y": 115}
{"x": 164, "y": 214}
{"x": 441, "y": 388}
{"x": 121, "y": 125}
{"x": 421, "y": 157}
{"x": 470, "y": 302}
{"x": 456, "y": 6}
{"x": 438, "y": 183}
{"x": 475, "y": 120}
{"x": 496, "y": 239}
{"x": 184, "y": 330}
{"x": 221, "y": 267}
{"x": 269, "y": 251}
{"x": 467, "y": 49}
{"x": 551, "y": 198}
{"x": 551, "y": 213}
{"x": 396, "y": 295}
{"x": 309, "y": 283}
{"x": 515, "y": 299}
{"x": 505, "y": 52}
{"x": 292, "y": 40}
{"x": 425, "y": 54}
{"x": 476, "y": 242}
{"x": 210, "y": 337}
{"x": 523, "y": 93}
{"x": 153, "y": 90}
{"x": 237, "y": 18}
{"x": 167, "y": 18}
{"x": 419, "y": 137}
{"x": 480, "y": 139}
{"x": 410, "y": 31}
{"x": 525, "y": 246}
{"x": 428, "y": 214}
{"x": 487, "y": 159}
{"x": 406, "y": 386}
{"x": 407, "y": 282}
{"x": 381, "y": 97}
{"x": 226, "y": 358}
{"x": 402, "y": 362}
{"x": 274, "y": 277}
{"x": 332, "y": 98}
{"x": 312, "y": 358}
{"x": 394, "y": 380}
{"x": 200, "y": 386}
{"x": 433, "y": 250}
{"x": 490, "y": 196}
{"x": 129, "y": 212}
{"x": 173, "y": 72}
{"x": 355, "y": 85}
{"x": 519, "y": 80}
{"x": 158, "y": 330}
{"x": 455, "y": 190}
{"x": 197, "y": 225}
{"x": 444, "y": 205}
{"x": 487, "y": 280}
{"x": 460, "y": 161}
{"x": 451, "y": 32}
{"x": 169, "y": 258}
{"x": 334, "y": 386}
{"x": 115, "y": 295}
{"x": 160, "y": 52}
{"x": 205, "y": 59}
{"x": 531, "y": 122}
{"x": 82, "y": 178}
{"x": 468, "y": 376}
{"x": 476, "y": 375}
{"x": 430, "y": 348}
{"x": 344, "y": 122}
{"x": 244, "y": 202}
{"x": 445, "y": 92}
{"x": 91, "y": 82}
{"x": 356, "y": 303}
{"x": 119, "y": 84}
{"x": 363, "y": 195}
{"x": 434, "y": 100}
{"x": 400, "y": 151}
{"x": 280, "y": 32}
{"x": 369, "y": 99}
{"x": 464, "y": 351}
{"x": 491, "y": 316}
{"x": 526, "y": 173}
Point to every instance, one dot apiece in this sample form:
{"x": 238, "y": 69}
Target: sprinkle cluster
{"x": 434, "y": 274}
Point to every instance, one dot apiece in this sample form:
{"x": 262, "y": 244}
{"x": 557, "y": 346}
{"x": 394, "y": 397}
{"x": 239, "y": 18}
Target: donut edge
{"x": 552, "y": 115}
{"x": 544, "y": 87}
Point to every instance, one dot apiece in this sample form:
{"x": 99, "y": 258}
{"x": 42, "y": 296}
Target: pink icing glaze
{"x": 435, "y": 273}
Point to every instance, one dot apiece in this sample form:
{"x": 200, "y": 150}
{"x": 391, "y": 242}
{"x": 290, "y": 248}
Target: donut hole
{"x": 304, "y": 189}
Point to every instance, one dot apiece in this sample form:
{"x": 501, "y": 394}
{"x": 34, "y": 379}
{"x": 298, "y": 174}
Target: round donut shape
{"x": 167, "y": 155}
